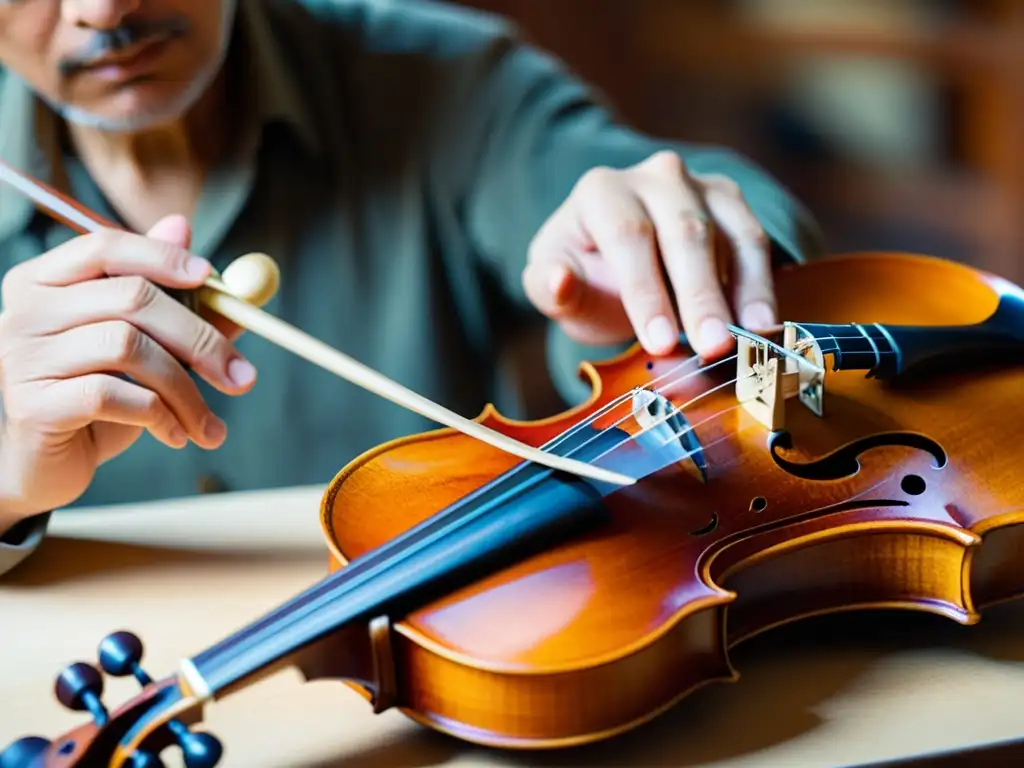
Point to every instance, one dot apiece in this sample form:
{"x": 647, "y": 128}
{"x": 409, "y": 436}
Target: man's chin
{"x": 114, "y": 121}
{"x": 133, "y": 108}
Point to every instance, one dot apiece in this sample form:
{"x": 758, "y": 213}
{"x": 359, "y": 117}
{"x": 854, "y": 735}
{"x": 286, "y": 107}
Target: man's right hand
{"x": 73, "y": 319}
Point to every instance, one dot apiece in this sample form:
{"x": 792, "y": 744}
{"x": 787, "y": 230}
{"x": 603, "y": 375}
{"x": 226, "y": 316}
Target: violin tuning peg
{"x": 24, "y": 752}
{"x": 200, "y": 750}
{"x": 120, "y": 654}
{"x": 79, "y": 686}
{"x": 142, "y": 759}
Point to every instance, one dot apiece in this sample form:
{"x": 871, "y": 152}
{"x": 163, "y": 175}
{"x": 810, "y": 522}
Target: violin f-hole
{"x": 844, "y": 462}
{"x": 709, "y": 528}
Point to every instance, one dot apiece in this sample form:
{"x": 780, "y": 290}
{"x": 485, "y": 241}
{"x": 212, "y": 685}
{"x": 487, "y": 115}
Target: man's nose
{"x": 97, "y": 14}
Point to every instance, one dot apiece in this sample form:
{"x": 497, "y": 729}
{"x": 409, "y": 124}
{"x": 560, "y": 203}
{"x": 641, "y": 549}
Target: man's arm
{"x": 532, "y": 131}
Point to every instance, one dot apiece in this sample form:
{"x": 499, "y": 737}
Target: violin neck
{"x": 529, "y": 506}
{"x": 887, "y": 351}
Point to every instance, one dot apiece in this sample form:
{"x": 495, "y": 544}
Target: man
{"x": 424, "y": 180}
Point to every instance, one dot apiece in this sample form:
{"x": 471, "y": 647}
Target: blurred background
{"x": 899, "y": 122}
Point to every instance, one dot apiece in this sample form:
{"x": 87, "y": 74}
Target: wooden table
{"x": 838, "y": 691}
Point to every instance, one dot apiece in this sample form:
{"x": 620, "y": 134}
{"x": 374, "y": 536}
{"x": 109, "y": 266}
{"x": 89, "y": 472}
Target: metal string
{"x": 314, "y": 603}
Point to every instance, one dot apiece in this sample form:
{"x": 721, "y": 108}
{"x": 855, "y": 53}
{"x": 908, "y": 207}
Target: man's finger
{"x": 118, "y": 346}
{"x": 113, "y": 252}
{"x": 687, "y": 249}
{"x": 177, "y": 231}
{"x": 173, "y": 229}
{"x": 625, "y": 237}
{"x": 553, "y": 281}
{"x": 106, "y": 400}
{"x": 227, "y": 328}
{"x": 576, "y": 291}
{"x": 754, "y": 291}
{"x": 168, "y": 322}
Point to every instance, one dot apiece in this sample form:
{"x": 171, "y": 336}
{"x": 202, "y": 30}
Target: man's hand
{"x": 597, "y": 265}
{"x": 92, "y": 353}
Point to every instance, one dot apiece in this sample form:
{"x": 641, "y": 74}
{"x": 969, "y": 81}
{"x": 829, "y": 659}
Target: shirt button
{"x": 210, "y": 484}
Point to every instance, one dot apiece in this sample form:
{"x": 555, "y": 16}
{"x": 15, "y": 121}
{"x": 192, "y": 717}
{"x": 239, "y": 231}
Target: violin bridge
{"x": 768, "y": 375}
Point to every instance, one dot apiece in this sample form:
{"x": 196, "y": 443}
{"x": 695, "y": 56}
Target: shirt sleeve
{"x": 532, "y": 130}
{"x": 21, "y": 540}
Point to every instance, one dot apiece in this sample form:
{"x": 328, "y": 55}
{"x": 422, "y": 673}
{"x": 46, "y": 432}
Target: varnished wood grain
{"x": 600, "y": 634}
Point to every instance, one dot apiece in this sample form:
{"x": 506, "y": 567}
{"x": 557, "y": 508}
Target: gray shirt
{"x": 398, "y": 159}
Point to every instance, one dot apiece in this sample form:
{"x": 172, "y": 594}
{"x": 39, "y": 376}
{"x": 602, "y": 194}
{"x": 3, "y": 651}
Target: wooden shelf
{"x": 722, "y": 45}
{"x": 960, "y": 205}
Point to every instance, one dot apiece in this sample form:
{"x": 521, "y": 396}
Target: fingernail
{"x": 241, "y": 371}
{"x": 660, "y": 334}
{"x": 757, "y": 316}
{"x": 196, "y": 267}
{"x": 214, "y": 429}
{"x": 713, "y": 334}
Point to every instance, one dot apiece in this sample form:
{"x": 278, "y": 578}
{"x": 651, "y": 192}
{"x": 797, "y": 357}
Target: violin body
{"x": 904, "y": 495}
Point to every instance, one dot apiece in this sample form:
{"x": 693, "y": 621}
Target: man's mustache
{"x": 106, "y": 42}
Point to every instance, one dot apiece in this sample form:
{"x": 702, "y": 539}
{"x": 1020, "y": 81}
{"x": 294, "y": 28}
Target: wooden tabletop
{"x": 836, "y": 691}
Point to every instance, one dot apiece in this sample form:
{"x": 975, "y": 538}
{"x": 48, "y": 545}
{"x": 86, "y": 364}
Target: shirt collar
{"x": 274, "y": 82}
{"x": 29, "y": 128}
{"x": 24, "y": 145}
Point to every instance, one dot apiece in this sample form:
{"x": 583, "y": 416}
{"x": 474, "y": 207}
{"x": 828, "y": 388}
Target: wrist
{"x": 15, "y": 508}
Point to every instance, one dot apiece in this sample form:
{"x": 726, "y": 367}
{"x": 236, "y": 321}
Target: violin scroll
{"x": 132, "y": 736}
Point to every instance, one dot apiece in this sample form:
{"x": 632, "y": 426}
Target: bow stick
{"x": 218, "y": 296}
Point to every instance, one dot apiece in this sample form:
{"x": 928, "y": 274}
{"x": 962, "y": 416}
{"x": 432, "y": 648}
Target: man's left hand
{"x": 597, "y": 265}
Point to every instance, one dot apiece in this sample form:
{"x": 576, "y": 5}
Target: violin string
{"x": 658, "y": 422}
{"x": 721, "y": 413}
{"x": 313, "y": 607}
{"x": 240, "y": 643}
{"x": 669, "y": 415}
{"x": 245, "y": 641}
{"x": 612, "y": 404}
{"x": 677, "y": 409}
{"x": 330, "y": 592}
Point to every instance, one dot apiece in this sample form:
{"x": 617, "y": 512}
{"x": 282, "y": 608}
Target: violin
{"x": 863, "y": 456}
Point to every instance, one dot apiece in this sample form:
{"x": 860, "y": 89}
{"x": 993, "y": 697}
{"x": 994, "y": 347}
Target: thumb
{"x": 172, "y": 229}
{"x": 176, "y": 229}
{"x": 554, "y": 287}
{"x": 586, "y": 307}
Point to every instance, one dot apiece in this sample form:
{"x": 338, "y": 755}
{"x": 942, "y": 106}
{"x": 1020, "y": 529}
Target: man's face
{"x": 116, "y": 64}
